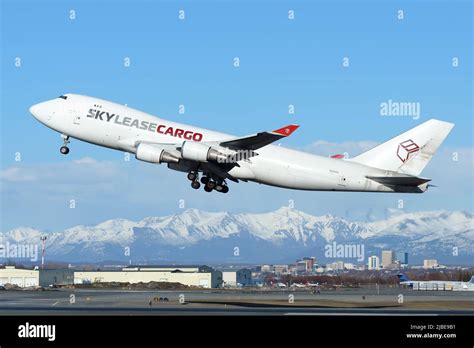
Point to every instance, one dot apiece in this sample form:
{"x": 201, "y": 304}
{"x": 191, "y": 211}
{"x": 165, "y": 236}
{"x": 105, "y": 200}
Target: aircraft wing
{"x": 256, "y": 141}
{"x": 173, "y": 153}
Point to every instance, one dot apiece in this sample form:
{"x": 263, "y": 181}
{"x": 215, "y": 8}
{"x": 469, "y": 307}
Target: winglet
{"x": 287, "y": 130}
{"x": 338, "y": 156}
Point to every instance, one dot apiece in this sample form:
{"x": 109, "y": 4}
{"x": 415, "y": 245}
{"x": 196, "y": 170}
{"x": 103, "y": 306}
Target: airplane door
{"x": 76, "y": 117}
{"x": 341, "y": 180}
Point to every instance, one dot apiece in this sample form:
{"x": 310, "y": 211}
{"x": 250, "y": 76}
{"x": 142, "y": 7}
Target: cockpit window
{"x": 62, "y": 97}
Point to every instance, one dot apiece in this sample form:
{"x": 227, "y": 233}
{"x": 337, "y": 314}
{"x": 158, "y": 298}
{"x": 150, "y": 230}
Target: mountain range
{"x": 280, "y": 236}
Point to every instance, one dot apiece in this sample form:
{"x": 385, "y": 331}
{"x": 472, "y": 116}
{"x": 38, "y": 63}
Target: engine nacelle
{"x": 154, "y": 154}
{"x": 195, "y": 151}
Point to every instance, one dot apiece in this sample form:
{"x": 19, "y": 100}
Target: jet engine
{"x": 201, "y": 152}
{"x": 154, "y": 154}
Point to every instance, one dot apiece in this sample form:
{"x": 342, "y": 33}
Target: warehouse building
{"x": 200, "y": 276}
{"x": 240, "y": 277}
{"x": 25, "y": 278}
{"x": 170, "y": 268}
{"x": 20, "y": 277}
{"x": 55, "y": 277}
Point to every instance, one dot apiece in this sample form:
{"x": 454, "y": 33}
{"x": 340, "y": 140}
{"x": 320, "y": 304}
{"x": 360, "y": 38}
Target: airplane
{"x": 436, "y": 284}
{"x": 393, "y": 166}
{"x": 297, "y": 285}
{"x": 305, "y": 285}
{"x": 281, "y": 285}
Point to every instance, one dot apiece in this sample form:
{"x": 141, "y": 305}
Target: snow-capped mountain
{"x": 279, "y": 236}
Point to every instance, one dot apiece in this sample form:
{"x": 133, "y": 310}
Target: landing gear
{"x": 219, "y": 186}
{"x": 64, "y": 149}
{"x": 192, "y": 176}
{"x": 210, "y": 183}
{"x": 222, "y": 188}
{"x": 209, "y": 186}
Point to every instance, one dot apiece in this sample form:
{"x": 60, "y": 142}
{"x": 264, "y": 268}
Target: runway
{"x": 388, "y": 302}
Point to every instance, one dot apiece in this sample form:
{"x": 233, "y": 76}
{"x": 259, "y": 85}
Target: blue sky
{"x": 190, "y": 62}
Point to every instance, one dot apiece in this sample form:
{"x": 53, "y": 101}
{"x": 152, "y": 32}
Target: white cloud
{"x": 16, "y": 174}
{"x": 85, "y": 160}
{"x": 71, "y": 172}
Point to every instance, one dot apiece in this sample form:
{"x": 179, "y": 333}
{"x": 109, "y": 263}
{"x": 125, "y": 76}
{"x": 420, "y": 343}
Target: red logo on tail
{"x": 406, "y": 149}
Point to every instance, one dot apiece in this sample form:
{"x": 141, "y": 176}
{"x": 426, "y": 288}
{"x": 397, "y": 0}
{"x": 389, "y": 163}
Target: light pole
{"x": 43, "y": 240}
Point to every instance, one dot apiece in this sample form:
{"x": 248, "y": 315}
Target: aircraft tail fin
{"x": 402, "y": 277}
{"x": 472, "y": 280}
{"x": 409, "y": 152}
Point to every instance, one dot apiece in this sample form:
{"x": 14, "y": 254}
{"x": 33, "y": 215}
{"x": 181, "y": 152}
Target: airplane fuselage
{"x": 439, "y": 285}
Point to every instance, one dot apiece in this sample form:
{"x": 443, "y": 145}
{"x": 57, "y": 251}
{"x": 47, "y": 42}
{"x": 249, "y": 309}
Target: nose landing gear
{"x": 64, "y": 149}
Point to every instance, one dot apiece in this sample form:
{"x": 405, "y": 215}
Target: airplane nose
{"x": 41, "y": 111}
{"x": 34, "y": 110}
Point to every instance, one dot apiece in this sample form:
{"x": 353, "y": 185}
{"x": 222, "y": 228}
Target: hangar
{"x": 21, "y": 277}
{"x": 200, "y": 276}
{"x": 25, "y": 278}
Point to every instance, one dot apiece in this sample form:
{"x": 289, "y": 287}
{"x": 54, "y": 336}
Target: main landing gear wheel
{"x": 195, "y": 184}
{"x": 222, "y": 187}
{"x": 192, "y": 176}
{"x": 207, "y": 188}
{"x": 64, "y": 150}
{"x": 204, "y": 180}
{"x": 211, "y": 184}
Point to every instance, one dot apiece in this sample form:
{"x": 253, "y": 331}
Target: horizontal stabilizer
{"x": 401, "y": 180}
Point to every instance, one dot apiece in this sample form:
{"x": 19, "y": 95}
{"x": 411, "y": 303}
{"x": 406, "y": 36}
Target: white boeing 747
{"x": 393, "y": 166}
